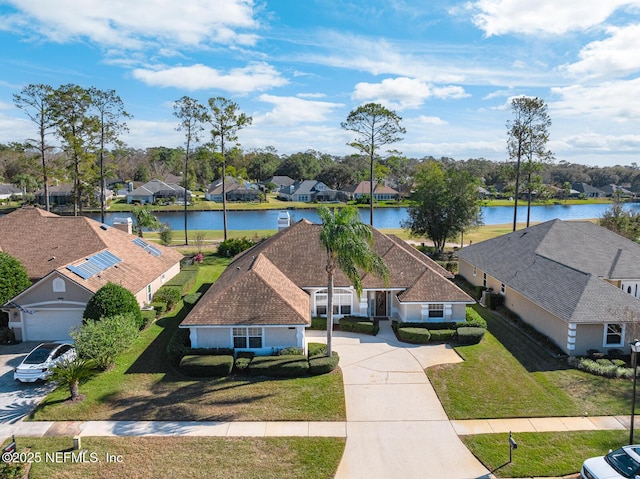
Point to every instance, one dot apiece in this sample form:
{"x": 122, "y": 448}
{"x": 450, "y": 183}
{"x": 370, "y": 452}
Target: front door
{"x": 381, "y": 303}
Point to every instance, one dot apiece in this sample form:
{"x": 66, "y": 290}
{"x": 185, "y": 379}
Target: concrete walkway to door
{"x": 396, "y": 426}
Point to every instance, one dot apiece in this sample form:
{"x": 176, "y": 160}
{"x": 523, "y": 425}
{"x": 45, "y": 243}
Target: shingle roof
{"x": 364, "y": 186}
{"x": 44, "y": 242}
{"x": 561, "y": 266}
{"x": 296, "y": 260}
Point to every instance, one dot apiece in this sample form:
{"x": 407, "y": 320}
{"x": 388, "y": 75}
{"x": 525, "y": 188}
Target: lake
{"x": 383, "y": 217}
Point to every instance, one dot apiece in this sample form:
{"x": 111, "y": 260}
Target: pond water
{"x": 382, "y": 217}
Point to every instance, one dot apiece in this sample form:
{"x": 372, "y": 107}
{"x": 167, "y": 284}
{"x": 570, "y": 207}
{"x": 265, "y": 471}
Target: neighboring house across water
{"x": 267, "y": 296}
{"x": 380, "y": 191}
{"x": 235, "y": 190}
{"x": 7, "y": 191}
{"x": 281, "y": 182}
{"x": 615, "y": 190}
{"x": 588, "y": 191}
{"x": 155, "y": 190}
{"x": 307, "y": 191}
{"x": 68, "y": 258}
{"x": 573, "y": 281}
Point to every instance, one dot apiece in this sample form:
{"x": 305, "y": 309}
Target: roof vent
{"x": 104, "y": 227}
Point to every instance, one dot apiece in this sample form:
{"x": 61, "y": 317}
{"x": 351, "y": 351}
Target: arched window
{"x": 342, "y": 300}
{"x": 59, "y": 286}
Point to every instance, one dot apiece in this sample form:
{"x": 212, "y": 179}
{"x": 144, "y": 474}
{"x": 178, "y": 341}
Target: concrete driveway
{"x": 16, "y": 399}
{"x": 396, "y": 426}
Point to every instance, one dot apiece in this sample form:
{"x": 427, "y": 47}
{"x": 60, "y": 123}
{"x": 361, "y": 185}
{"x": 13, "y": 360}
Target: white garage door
{"x": 52, "y": 325}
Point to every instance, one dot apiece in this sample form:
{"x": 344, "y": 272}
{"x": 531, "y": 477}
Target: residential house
{"x": 587, "y": 190}
{"x": 615, "y": 190}
{"x": 281, "y": 182}
{"x": 59, "y": 195}
{"x": 381, "y": 192}
{"x": 235, "y": 190}
{"x": 307, "y": 191}
{"x": 7, "y": 191}
{"x": 575, "y": 282}
{"x": 266, "y": 297}
{"x": 155, "y": 190}
{"x": 68, "y": 258}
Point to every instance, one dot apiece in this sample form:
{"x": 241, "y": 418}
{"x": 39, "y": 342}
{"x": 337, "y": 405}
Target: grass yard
{"x": 192, "y": 457}
{"x": 552, "y": 454}
{"x": 509, "y": 375}
{"x": 144, "y": 386}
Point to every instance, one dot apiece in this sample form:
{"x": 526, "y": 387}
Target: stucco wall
{"x": 465, "y": 270}
{"x": 142, "y": 296}
{"x": 275, "y": 337}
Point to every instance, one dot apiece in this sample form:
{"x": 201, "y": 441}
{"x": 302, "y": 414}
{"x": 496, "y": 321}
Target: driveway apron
{"x": 396, "y": 426}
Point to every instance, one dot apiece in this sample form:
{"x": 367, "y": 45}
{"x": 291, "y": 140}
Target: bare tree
{"x": 375, "y": 126}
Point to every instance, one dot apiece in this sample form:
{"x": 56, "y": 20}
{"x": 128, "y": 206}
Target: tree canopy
{"x": 111, "y": 300}
{"x": 13, "y": 277}
{"x": 444, "y": 205}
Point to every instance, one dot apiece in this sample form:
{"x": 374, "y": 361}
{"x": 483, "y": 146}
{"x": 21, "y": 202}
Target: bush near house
{"x": 287, "y": 366}
{"x": 318, "y": 324}
{"x": 414, "y": 335}
{"x": 191, "y": 299}
{"x": 474, "y": 319}
{"x": 609, "y": 368}
{"x": 110, "y": 300}
{"x": 185, "y": 279}
{"x": 234, "y": 246}
{"x": 467, "y": 335}
{"x": 354, "y": 324}
{"x": 442, "y": 334}
{"x": 322, "y": 364}
{"x": 159, "y": 307}
{"x": 206, "y": 366}
{"x": 170, "y": 295}
{"x": 179, "y": 346}
{"x": 148, "y": 317}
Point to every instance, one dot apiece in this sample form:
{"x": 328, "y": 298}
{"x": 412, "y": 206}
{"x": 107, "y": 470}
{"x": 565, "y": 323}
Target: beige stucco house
{"x": 266, "y": 297}
{"x": 68, "y": 258}
{"x": 573, "y": 281}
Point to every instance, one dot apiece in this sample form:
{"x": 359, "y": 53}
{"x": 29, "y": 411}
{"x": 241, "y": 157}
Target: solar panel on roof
{"x": 147, "y": 247}
{"x": 94, "y": 264}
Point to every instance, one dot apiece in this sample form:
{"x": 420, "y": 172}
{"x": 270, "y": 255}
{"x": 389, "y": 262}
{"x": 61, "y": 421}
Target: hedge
{"x": 318, "y": 324}
{"x": 414, "y": 335}
{"x": 359, "y": 325}
{"x": 185, "y": 279}
{"x": 160, "y": 307}
{"x": 191, "y": 299}
{"x": 206, "y": 366}
{"x": 279, "y": 366}
{"x": 442, "y": 334}
{"x": 494, "y": 300}
{"x": 323, "y": 364}
{"x": 474, "y": 320}
{"x": 471, "y": 335}
{"x": 148, "y": 317}
{"x": 316, "y": 349}
{"x": 180, "y": 345}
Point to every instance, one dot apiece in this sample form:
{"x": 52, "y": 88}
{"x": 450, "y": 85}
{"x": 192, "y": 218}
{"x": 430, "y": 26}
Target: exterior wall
{"x": 418, "y": 313}
{"x": 142, "y": 295}
{"x": 465, "y": 270}
{"x": 592, "y": 336}
{"x": 273, "y": 338}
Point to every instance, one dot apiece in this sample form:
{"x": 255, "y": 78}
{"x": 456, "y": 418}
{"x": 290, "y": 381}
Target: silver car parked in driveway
{"x": 623, "y": 463}
{"x": 39, "y": 362}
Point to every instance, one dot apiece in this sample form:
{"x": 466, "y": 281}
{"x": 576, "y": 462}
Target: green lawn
{"x": 542, "y": 454}
{"x": 192, "y": 457}
{"x": 509, "y": 375}
{"x": 144, "y": 386}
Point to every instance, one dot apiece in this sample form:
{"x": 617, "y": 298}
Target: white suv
{"x": 623, "y": 463}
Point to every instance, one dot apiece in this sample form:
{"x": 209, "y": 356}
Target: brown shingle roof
{"x": 44, "y": 242}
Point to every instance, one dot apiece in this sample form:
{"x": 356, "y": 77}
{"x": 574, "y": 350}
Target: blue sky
{"x": 448, "y": 68}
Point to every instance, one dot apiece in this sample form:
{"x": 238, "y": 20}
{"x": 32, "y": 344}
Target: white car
{"x": 623, "y": 463}
{"x": 38, "y": 363}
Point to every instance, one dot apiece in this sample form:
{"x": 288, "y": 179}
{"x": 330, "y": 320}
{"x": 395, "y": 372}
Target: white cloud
{"x": 614, "y": 56}
{"x": 402, "y": 93}
{"x": 132, "y": 24}
{"x": 292, "y": 111}
{"x": 254, "y": 77}
{"x": 499, "y": 17}
{"x": 615, "y": 101}
{"x": 429, "y": 120}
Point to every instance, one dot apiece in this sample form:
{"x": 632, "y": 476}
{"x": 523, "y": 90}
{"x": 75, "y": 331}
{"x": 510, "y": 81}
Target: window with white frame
{"x": 247, "y": 337}
{"x": 149, "y": 293}
{"x": 436, "y": 310}
{"x": 613, "y": 334}
{"x": 502, "y": 288}
{"x": 59, "y": 286}
{"x": 484, "y": 280}
{"x": 342, "y": 300}
{"x": 475, "y": 270}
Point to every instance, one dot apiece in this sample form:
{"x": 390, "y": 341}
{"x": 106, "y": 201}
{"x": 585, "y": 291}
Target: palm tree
{"x": 349, "y": 245}
{"x": 143, "y": 217}
{"x": 70, "y": 373}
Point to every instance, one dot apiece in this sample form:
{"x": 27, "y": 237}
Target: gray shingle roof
{"x": 561, "y": 266}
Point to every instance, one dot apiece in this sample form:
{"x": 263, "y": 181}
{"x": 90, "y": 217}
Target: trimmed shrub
{"x": 323, "y": 364}
{"x": 291, "y": 351}
{"x": 178, "y": 345}
{"x": 442, "y": 334}
{"x": 477, "y": 292}
{"x": 316, "y": 349}
{"x": 191, "y": 299}
{"x": 148, "y": 317}
{"x": 160, "y": 307}
{"x": 234, "y": 246}
{"x": 469, "y": 335}
{"x": 241, "y": 364}
{"x": 169, "y": 295}
{"x": 185, "y": 279}
{"x": 111, "y": 300}
{"x": 279, "y": 366}
{"x": 603, "y": 367}
{"x": 359, "y": 325}
{"x": 494, "y": 300}
{"x": 474, "y": 320}
{"x": 202, "y": 366}
{"x": 319, "y": 324}
{"x": 414, "y": 335}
